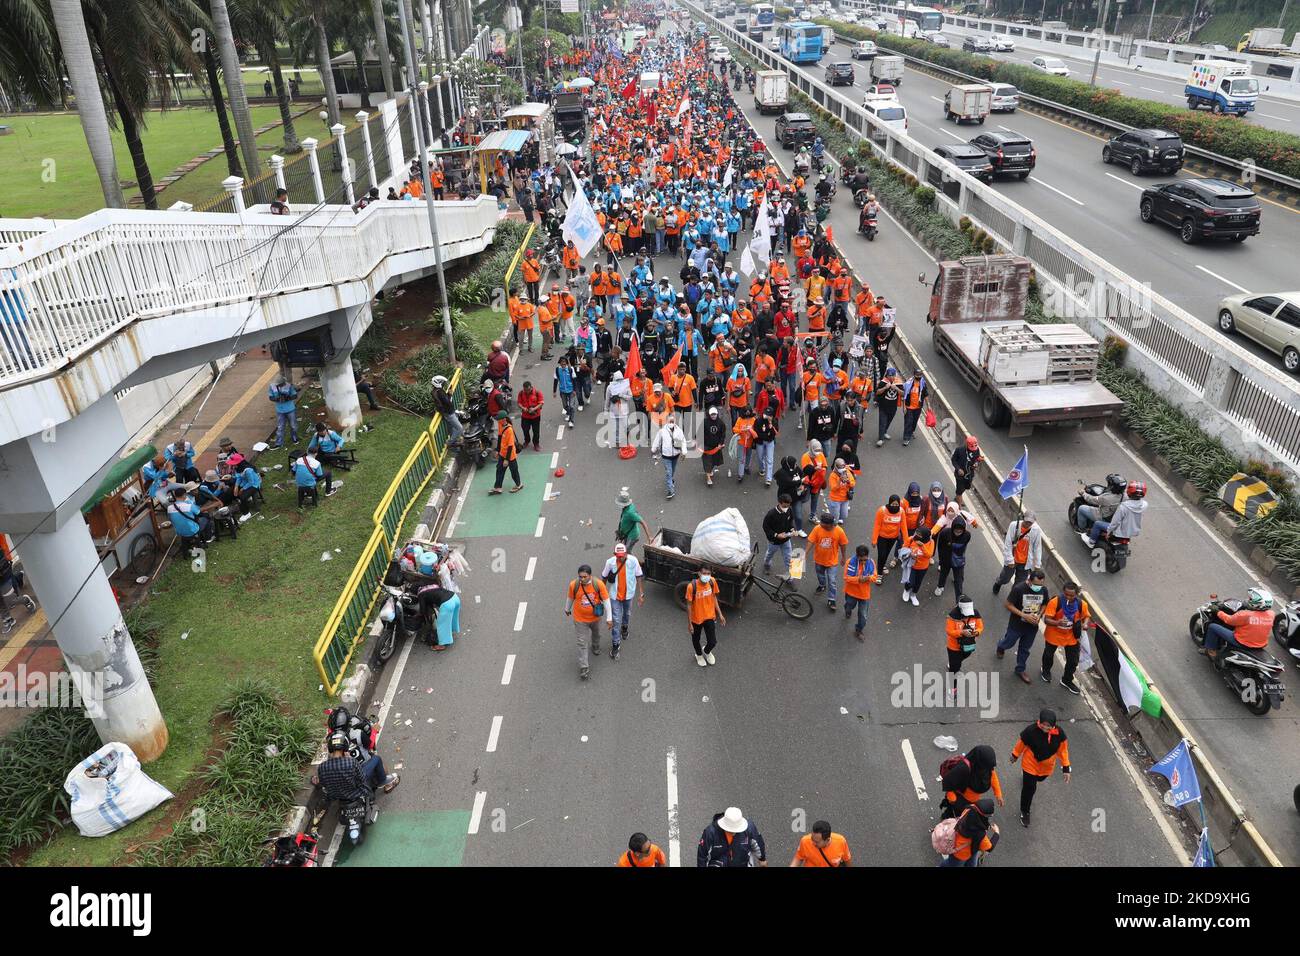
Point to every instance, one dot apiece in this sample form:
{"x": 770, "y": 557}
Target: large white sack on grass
{"x": 722, "y": 539}
{"x": 103, "y": 804}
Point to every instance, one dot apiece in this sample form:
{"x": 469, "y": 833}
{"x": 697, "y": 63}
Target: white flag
{"x": 747, "y": 262}
{"x": 580, "y": 222}
{"x": 683, "y": 106}
{"x": 726, "y": 180}
{"x": 761, "y": 244}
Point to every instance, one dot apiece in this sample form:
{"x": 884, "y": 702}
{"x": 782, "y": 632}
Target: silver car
{"x": 1271, "y": 320}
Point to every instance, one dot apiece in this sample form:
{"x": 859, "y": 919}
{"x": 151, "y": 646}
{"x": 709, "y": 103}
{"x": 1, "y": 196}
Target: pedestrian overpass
{"x": 92, "y": 306}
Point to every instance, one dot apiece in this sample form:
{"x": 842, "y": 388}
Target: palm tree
{"x": 262, "y": 20}
{"x": 79, "y": 62}
{"x": 27, "y": 57}
{"x": 381, "y": 46}
{"x": 315, "y": 10}
{"x": 223, "y": 119}
{"x": 225, "y": 37}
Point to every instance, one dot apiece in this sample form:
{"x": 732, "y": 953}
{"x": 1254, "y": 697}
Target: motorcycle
{"x": 400, "y": 615}
{"x": 1254, "y": 675}
{"x": 818, "y": 163}
{"x": 1286, "y": 629}
{"x": 802, "y": 164}
{"x": 1116, "y": 550}
{"x": 478, "y": 442}
{"x": 363, "y": 735}
{"x": 868, "y": 225}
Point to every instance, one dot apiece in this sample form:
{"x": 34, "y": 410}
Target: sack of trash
{"x": 722, "y": 539}
{"x": 109, "y": 790}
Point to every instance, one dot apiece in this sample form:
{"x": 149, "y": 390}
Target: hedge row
{"x": 1225, "y": 135}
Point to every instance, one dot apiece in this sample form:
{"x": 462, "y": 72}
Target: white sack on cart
{"x": 722, "y": 539}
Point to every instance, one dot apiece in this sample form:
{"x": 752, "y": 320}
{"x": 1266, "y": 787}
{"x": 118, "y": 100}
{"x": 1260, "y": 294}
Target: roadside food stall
{"x": 494, "y": 144}
{"x": 458, "y": 168}
{"x": 538, "y": 119}
{"x": 122, "y": 518}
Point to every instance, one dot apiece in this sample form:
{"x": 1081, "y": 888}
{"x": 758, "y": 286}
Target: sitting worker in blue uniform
{"x": 187, "y": 518}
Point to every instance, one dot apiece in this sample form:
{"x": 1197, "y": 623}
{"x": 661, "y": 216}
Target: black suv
{"x": 839, "y": 74}
{"x": 1203, "y": 209}
{"x": 1144, "y": 149}
{"x": 977, "y": 44}
{"x": 1010, "y": 153}
{"x": 793, "y": 128}
{"x": 967, "y": 158}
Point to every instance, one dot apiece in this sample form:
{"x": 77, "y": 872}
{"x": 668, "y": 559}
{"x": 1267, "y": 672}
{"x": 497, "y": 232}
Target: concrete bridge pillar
{"x": 340, "y": 390}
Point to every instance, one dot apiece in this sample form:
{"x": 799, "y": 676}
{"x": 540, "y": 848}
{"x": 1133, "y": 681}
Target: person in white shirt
{"x": 622, "y": 573}
{"x": 669, "y": 443}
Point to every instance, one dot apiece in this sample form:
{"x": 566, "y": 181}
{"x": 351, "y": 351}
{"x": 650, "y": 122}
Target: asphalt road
{"x": 1097, "y": 205}
{"x": 1178, "y": 561}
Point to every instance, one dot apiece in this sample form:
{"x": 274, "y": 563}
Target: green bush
{"x": 1227, "y": 136}
{"x": 925, "y": 196}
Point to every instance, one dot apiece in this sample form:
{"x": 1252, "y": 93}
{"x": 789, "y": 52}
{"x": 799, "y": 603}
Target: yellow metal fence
{"x": 348, "y": 622}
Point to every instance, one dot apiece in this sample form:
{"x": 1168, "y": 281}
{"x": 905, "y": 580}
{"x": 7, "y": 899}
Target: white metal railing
{"x": 1251, "y": 406}
{"x": 63, "y": 291}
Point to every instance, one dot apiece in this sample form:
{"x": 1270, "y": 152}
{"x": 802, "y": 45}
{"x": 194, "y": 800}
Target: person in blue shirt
{"x": 692, "y": 344}
{"x": 564, "y": 384}
{"x": 285, "y": 398}
{"x": 187, "y": 518}
{"x": 307, "y": 471}
{"x": 247, "y": 483}
{"x": 212, "y": 488}
{"x": 624, "y": 313}
{"x": 665, "y": 295}
{"x": 326, "y": 443}
{"x": 159, "y": 479}
{"x": 180, "y": 454}
{"x": 733, "y": 227}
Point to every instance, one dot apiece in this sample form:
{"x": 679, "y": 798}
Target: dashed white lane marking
{"x": 476, "y": 815}
{"x": 519, "y": 615}
{"x": 541, "y": 523}
{"x": 559, "y": 432}
{"x": 1121, "y": 179}
{"x": 546, "y": 492}
{"x": 1035, "y": 179}
{"x": 555, "y": 460}
{"x": 915, "y": 771}
{"x": 1222, "y": 279}
{"x": 494, "y": 734}
{"x": 674, "y": 820}
{"x": 948, "y": 132}
{"x": 509, "y": 671}
{"x": 1272, "y": 116}
{"x": 532, "y": 567}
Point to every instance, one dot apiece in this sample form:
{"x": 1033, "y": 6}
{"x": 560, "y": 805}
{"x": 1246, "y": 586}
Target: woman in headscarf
{"x": 969, "y": 778}
{"x": 975, "y": 834}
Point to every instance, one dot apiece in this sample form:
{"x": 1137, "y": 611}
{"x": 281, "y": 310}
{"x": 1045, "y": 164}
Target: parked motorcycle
{"x": 478, "y": 441}
{"x": 400, "y": 615}
{"x": 1253, "y": 675}
{"x": 1286, "y": 629}
{"x": 1116, "y": 550}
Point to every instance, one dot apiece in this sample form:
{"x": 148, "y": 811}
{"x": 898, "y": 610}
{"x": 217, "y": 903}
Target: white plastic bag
{"x": 722, "y": 539}
{"x": 109, "y": 790}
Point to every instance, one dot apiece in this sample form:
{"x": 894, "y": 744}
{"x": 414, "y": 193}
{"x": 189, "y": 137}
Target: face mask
{"x": 1035, "y": 587}
{"x": 705, "y": 578}
{"x": 893, "y": 509}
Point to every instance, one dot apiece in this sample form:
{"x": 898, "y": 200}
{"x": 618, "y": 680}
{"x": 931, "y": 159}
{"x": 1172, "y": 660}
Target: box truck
{"x": 771, "y": 91}
{"x": 968, "y": 102}
{"x": 1223, "y": 86}
{"x": 887, "y": 69}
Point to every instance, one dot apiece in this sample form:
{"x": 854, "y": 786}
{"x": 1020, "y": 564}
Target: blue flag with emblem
{"x": 1176, "y": 766}
{"x": 1204, "y": 852}
{"x": 1017, "y": 479}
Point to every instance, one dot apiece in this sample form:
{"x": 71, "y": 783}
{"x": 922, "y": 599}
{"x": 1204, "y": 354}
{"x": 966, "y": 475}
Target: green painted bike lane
{"x": 505, "y": 515}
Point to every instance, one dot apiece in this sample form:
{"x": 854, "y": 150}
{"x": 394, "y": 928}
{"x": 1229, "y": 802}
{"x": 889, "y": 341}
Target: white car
{"x": 721, "y": 55}
{"x": 1006, "y": 98}
{"x": 937, "y": 38}
{"x": 848, "y": 16}
{"x": 1050, "y": 64}
{"x": 1272, "y": 320}
{"x": 774, "y": 43}
{"x": 1003, "y": 44}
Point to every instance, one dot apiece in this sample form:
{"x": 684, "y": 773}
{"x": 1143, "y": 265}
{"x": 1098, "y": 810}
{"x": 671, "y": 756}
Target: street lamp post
{"x": 411, "y": 83}
{"x": 1151, "y": 19}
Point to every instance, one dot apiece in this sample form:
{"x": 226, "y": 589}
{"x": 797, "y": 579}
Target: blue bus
{"x": 762, "y": 14}
{"x": 801, "y": 42}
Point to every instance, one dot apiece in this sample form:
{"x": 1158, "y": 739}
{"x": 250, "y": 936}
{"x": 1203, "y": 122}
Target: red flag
{"x": 670, "y": 367}
{"x": 651, "y": 112}
{"x": 830, "y": 236}
{"x": 633, "y": 360}
{"x": 629, "y": 89}
{"x": 670, "y": 153}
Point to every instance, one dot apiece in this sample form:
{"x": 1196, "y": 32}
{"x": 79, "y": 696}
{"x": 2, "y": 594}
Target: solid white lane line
{"x": 1126, "y": 182}
{"x": 1222, "y": 279}
{"x": 476, "y": 815}
{"x": 674, "y": 820}
{"x": 915, "y": 771}
{"x": 532, "y": 567}
{"x": 937, "y": 99}
{"x": 510, "y": 669}
{"x": 460, "y": 503}
{"x": 494, "y": 734}
{"x": 1035, "y": 179}
{"x": 519, "y": 615}
{"x": 1007, "y": 129}
{"x": 1121, "y": 83}
{"x": 541, "y": 523}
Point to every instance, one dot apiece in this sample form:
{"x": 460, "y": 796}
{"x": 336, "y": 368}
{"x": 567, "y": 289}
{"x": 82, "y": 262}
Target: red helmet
{"x": 972, "y": 442}
{"x": 1137, "y": 489}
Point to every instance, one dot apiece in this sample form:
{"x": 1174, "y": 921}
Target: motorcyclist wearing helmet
{"x": 1127, "y": 520}
{"x": 1249, "y": 628}
{"x": 870, "y": 210}
{"x": 445, "y": 406}
{"x": 818, "y": 148}
{"x": 802, "y": 161}
{"x": 825, "y": 188}
{"x": 1100, "y": 507}
{"x": 343, "y": 778}
{"x": 861, "y": 179}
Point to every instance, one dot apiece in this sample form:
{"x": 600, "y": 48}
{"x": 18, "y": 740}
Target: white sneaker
{"x": 710, "y": 658}
{"x": 570, "y": 424}
{"x": 938, "y": 591}
{"x": 907, "y": 595}
{"x": 802, "y": 534}
{"x": 915, "y": 602}
{"x": 701, "y": 661}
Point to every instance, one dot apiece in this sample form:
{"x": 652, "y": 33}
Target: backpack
{"x": 943, "y": 838}
{"x": 952, "y": 763}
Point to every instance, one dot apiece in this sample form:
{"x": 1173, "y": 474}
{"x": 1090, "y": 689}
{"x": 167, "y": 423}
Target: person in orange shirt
{"x": 570, "y": 259}
{"x": 523, "y": 322}
{"x": 613, "y": 248}
{"x": 974, "y": 834}
{"x": 862, "y": 303}
{"x": 641, "y": 852}
{"x": 801, "y": 244}
{"x": 859, "y": 575}
{"x": 437, "y": 180}
{"x": 827, "y": 543}
{"x": 841, "y": 288}
{"x": 739, "y": 390}
{"x": 588, "y": 602}
{"x": 969, "y": 777}
{"x": 887, "y": 532}
{"x": 963, "y": 625}
{"x": 779, "y": 270}
{"x": 531, "y": 269}
{"x": 507, "y": 454}
{"x": 658, "y": 405}
{"x": 546, "y": 322}
{"x": 1037, "y": 749}
{"x": 822, "y": 847}
{"x": 743, "y": 428}
{"x": 816, "y": 315}
{"x": 416, "y": 187}
{"x": 764, "y": 368}
{"x": 839, "y": 490}
{"x": 703, "y": 614}
{"x": 1064, "y": 618}
{"x": 921, "y": 547}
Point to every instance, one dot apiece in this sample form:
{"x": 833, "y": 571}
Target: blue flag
{"x": 1204, "y": 852}
{"x": 1017, "y": 479}
{"x": 1177, "y": 767}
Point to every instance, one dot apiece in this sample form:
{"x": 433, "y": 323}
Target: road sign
{"x": 547, "y": 42}
{"x": 568, "y": 6}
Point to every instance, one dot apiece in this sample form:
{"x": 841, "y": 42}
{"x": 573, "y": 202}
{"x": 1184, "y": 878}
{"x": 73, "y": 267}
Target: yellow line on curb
{"x": 211, "y": 435}
{"x": 30, "y": 629}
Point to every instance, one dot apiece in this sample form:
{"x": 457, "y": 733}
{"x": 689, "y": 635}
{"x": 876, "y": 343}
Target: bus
{"x": 801, "y": 42}
{"x": 927, "y": 19}
{"x": 762, "y": 15}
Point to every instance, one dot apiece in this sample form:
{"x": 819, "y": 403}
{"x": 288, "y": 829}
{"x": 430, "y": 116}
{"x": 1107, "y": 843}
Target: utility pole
{"x": 1282, "y": 16}
{"x": 546, "y": 46}
{"x": 1151, "y": 19}
{"x": 413, "y": 86}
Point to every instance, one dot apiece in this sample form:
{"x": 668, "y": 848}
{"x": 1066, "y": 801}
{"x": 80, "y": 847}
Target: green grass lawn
{"x": 486, "y": 324}
{"x": 256, "y": 612}
{"x": 48, "y": 171}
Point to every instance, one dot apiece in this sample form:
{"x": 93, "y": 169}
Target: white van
{"x": 864, "y": 50}
{"x": 891, "y": 113}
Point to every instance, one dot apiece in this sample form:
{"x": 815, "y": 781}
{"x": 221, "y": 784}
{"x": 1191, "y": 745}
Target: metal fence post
{"x": 309, "y": 144}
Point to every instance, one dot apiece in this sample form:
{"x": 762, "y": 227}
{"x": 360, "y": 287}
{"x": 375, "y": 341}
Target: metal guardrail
{"x": 1257, "y": 172}
{"x": 348, "y": 622}
{"x": 1251, "y": 407}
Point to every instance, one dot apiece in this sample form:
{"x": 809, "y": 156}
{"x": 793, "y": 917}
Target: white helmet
{"x": 439, "y": 381}
{"x": 1259, "y": 599}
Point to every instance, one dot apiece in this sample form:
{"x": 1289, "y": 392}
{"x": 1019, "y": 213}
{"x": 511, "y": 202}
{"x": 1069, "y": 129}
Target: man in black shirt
{"x": 823, "y": 425}
{"x": 1025, "y": 602}
{"x": 711, "y": 391}
{"x": 342, "y": 778}
{"x": 778, "y": 526}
